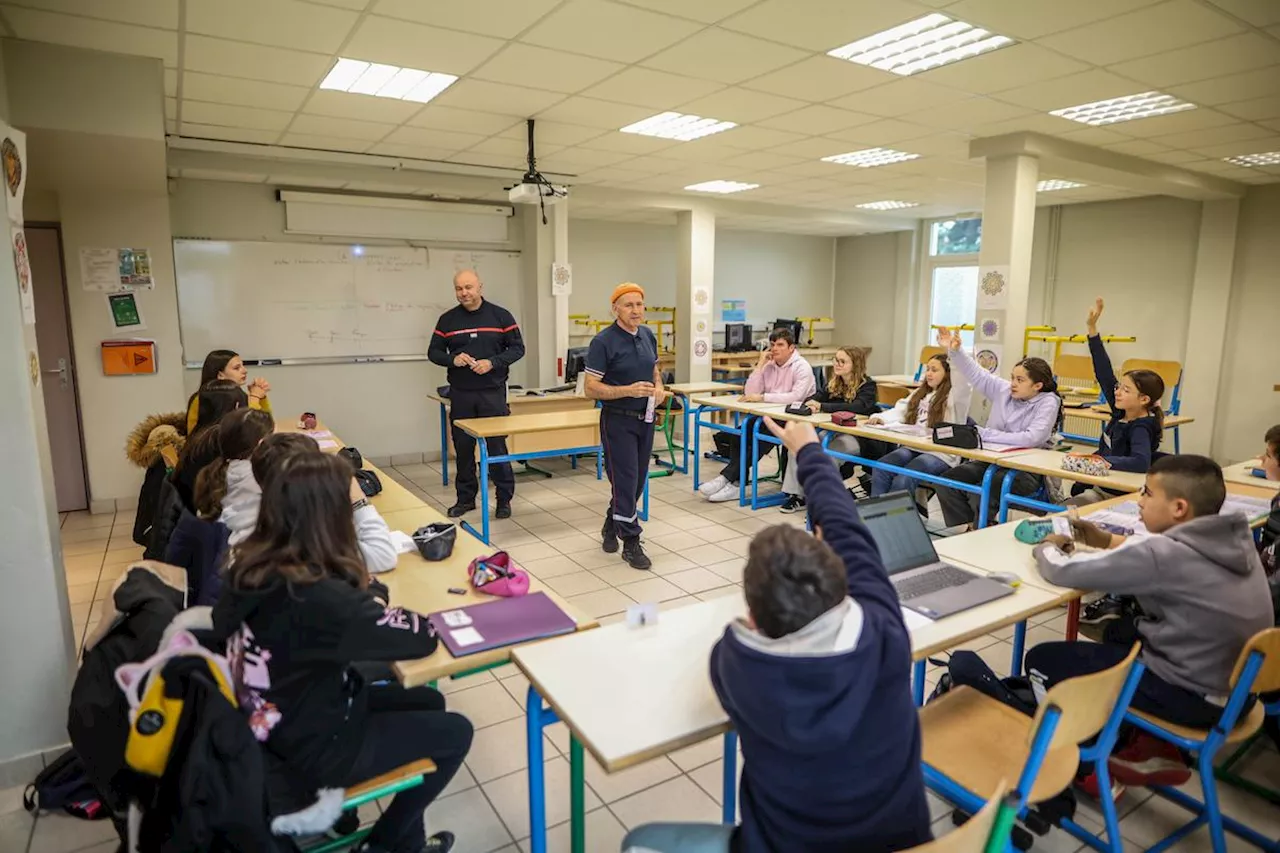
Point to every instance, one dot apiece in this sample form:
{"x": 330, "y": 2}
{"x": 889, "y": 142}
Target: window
{"x": 955, "y": 237}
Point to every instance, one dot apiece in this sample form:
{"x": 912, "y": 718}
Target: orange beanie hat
{"x": 625, "y": 288}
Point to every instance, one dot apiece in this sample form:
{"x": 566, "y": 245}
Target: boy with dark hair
{"x": 1202, "y": 594}
{"x": 816, "y": 681}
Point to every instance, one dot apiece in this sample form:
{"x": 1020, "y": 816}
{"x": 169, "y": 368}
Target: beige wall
{"x": 868, "y": 279}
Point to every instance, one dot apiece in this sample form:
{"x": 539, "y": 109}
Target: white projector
{"x": 535, "y": 193}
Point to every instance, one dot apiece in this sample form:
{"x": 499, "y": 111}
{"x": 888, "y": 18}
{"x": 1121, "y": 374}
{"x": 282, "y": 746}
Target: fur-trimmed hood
{"x": 148, "y": 438}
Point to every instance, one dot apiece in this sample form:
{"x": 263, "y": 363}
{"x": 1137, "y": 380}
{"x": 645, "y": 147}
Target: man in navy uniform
{"x": 622, "y": 373}
{"x": 477, "y": 342}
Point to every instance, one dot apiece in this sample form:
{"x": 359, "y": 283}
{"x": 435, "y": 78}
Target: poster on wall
{"x": 126, "y": 316}
{"x": 114, "y": 269}
{"x": 989, "y": 356}
{"x": 22, "y": 265}
{"x": 993, "y": 288}
{"x": 701, "y": 350}
{"x": 988, "y": 327}
{"x": 733, "y": 310}
{"x": 561, "y": 279}
{"x": 701, "y": 300}
{"x": 13, "y": 156}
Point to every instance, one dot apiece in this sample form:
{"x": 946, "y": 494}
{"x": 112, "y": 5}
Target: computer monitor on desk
{"x": 737, "y": 337}
{"x": 793, "y": 326}
{"x": 574, "y": 362}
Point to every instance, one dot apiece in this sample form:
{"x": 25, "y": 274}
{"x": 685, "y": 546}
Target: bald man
{"x": 477, "y": 342}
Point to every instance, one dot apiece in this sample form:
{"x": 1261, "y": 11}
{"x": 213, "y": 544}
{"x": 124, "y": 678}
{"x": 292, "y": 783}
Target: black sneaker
{"x": 347, "y": 823}
{"x": 634, "y": 554}
{"x": 609, "y": 538}
{"x": 460, "y": 509}
{"x": 503, "y": 510}
{"x": 793, "y": 503}
{"x": 1105, "y": 609}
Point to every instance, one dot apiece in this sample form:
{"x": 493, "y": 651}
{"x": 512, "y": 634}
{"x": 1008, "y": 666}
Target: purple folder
{"x": 502, "y": 622}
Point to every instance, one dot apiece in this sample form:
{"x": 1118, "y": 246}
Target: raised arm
{"x": 1044, "y": 418}
{"x": 985, "y": 383}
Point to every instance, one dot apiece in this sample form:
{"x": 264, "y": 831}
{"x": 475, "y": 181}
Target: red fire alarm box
{"x": 128, "y": 358}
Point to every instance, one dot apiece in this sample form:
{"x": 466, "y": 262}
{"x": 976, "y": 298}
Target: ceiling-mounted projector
{"x": 536, "y": 193}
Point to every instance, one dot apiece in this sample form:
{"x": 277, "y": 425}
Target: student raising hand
{"x": 1094, "y": 313}
{"x": 794, "y": 434}
{"x": 948, "y": 339}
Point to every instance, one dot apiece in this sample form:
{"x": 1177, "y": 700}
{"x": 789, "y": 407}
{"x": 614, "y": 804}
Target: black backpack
{"x": 353, "y": 456}
{"x": 64, "y": 784}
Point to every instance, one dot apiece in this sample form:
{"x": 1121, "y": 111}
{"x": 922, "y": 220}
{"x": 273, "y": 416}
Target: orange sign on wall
{"x": 128, "y": 358}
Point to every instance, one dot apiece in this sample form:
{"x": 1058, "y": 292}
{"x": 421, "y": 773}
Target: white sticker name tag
{"x": 944, "y": 432}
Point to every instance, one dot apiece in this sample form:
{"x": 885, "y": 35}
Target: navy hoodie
{"x": 1127, "y": 445}
{"x": 831, "y": 741}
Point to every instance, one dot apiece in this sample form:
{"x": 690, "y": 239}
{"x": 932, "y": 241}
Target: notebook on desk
{"x": 501, "y": 622}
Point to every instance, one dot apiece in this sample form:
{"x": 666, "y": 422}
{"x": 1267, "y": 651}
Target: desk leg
{"x": 917, "y": 682}
{"x": 729, "y": 796}
{"x": 684, "y": 439}
{"x": 444, "y": 445}
{"x": 484, "y": 489}
{"x": 600, "y": 462}
{"x": 697, "y": 446}
{"x": 577, "y": 799}
{"x": 744, "y": 426}
{"x": 1073, "y": 620}
{"x": 1019, "y": 644}
{"x": 985, "y": 498}
{"x": 537, "y": 773}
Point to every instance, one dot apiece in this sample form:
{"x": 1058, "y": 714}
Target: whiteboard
{"x": 309, "y": 300}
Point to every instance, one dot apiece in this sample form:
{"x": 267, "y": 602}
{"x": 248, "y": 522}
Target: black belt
{"x": 626, "y": 413}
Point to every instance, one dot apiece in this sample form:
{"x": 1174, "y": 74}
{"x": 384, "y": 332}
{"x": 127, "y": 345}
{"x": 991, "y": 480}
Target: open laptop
{"x": 924, "y": 583}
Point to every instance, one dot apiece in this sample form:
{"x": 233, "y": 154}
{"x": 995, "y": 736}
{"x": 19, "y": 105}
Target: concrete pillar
{"x": 545, "y": 324}
{"x": 695, "y": 293}
{"x": 1207, "y": 325}
{"x": 1004, "y": 262}
{"x": 560, "y": 255}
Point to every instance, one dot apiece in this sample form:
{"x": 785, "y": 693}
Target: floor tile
{"x": 710, "y": 778}
{"x": 752, "y": 526}
{"x": 668, "y": 563}
{"x": 82, "y": 549}
{"x": 596, "y": 559}
{"x": 676, "y": 800}
{"x": 79, "y": 521}
{"x": 715, "y": 533}
{"x": 81, "y": 593}
{"x": 575, "y": 542}
{"x": 62, "y": 833}
{"x": 679, "y": 542}
{"x": 501, "y": 749}
{"x": 534, "y": 551}
{"x": 693, "y": 757}
{"x": 449, "y": 686}
{"x": 550, "y": 566}
{"x": 705, "y": 555}
{"x": 513, "y": 540}
{"x": 469, "y": 816}
{"x": 604, "y": 834}
{"x": 510, "y": 797}
{"x": 15, "y": 831}
{"x": 462, "y": 780}
{"x": 737, "y": 546}
{"x": 619, "y": 574}
{"x": 602, "y": 603}
{"x": 720, "y": 591}
{"x": 651, "y": 589}
{"x": 11, "y": 800}
{"x": 575, "y": 583}
{"x": 78, "y": 564}
{"x": 730, "y": 570}
{"x": 485, "y": 704}
{"x": 696, "y": 580}
{"x": 86, "y": 535}
{"x": 611, "y": 787}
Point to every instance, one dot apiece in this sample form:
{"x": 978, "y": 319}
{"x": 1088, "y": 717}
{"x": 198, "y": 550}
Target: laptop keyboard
{"x": 943, "y": 577}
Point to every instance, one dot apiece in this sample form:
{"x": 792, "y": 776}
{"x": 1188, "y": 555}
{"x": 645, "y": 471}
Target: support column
{"x": 545, "y": 323}
{"x": 695, "y": 293}
{"x": 560, "y": 255}
{"x": 1207, "y": 325}
{"x": 1004, "y": 261}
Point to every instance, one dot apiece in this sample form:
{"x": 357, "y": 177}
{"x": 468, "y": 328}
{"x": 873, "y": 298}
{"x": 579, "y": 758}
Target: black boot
{"x": 634, "y": 554}
{"x": 609, "y": 537}
{"x": 461, "y": 508}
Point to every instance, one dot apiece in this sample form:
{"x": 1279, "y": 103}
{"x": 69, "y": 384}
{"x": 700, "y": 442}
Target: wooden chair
{"x": 979, "y": 833}
{"x": 1257, "y": 670}
{"x": 402, "y": 778}
{"x": 972, "y": 742}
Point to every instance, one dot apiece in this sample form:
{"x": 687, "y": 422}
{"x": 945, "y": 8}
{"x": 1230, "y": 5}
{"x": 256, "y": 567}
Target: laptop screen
{"x": 899, "y": 533}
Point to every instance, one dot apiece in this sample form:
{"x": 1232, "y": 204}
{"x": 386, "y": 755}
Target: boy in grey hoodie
{"x": 1202, "y": 593}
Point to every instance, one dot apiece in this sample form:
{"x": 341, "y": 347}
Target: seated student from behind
{"x": 1269, "y": 540}
{"x": 816, "y": 681}
{"x": 226, "y": 365}
{"x": 1202, "y": 595}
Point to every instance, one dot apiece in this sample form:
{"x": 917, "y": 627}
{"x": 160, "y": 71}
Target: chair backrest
{"x": 1170, "y": 371}
{"x": 1074, "y": 371}
{"x": 971, "y": 836}
{"x": 1267, "y": 644}
{"x": 1085, "y": 703}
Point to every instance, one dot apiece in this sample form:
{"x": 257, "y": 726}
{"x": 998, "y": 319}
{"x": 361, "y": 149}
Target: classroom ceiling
{"x": 249, "y": 71}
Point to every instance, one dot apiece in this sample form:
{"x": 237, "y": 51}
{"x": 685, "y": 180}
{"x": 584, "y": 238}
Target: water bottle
{"x": 648, "y": 409}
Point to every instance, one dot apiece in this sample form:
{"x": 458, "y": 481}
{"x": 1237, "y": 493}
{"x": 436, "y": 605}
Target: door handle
{"x": 64, "y": 373}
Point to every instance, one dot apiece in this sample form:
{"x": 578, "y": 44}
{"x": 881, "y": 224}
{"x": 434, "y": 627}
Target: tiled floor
{"x": 699, "y": 551}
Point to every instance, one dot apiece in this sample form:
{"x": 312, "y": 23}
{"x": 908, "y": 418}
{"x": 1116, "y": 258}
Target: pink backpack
{"x": 498, "y": 575}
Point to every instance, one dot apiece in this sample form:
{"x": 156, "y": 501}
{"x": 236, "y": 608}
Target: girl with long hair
{"x": 227, "y": 365}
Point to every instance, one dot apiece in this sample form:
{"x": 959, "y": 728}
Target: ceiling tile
{"x": 961, "y": 115}
{"x": 415, "y": 152}
{"x": 630, "y": 143}
{"x": 590, "y": 112}
{"x": 653, "y": 165}
{"x": 820, "y": 78}
{"x": 762, "y": 160}
{"x": 1016, "y": 65}
{"x": 710, "y": 149}
{"x": 360, "y": 107}
{"x": 707, "y": 11}
{"x": 1270, "y": 142}
{"x": 754, "y": 138}
{"x": 954, "y": 146}
{"x": 1146, "y": 128}
{"x": 324, "y": 143}
{"x": 464, "y": 121}
{"x": 1033, "y": 123}
{"x": 516, "y": 150}
{"x": 278, "y": 23}
{"x": 821, "y": 24}
{"x": 1153, "y": 29}
{"x": 1036, "y": 19}
{"x": 1092, "y": 135}
{"x": 1260, "y": 13}
{"x": 582, "y": 159}
{"x": 75, "y": 31}
{"x": 1234, "y": 87}
{"x": 501, "y": 18}
{"x": 429, "y": 138}
{"x": 902, "y": 95}
{"x": 740, "y": 105}
{"x": 346, "y": 128}
{"x": 553, "y": 133}
{"x": 147, "y": 13}
{"x": 1069, "y": 91}
{"x": 171, "y": 82}
{"x": 646, "y": 87}
{"x": 716, "y": 54}
{"x": 255, "y": 62}
{"x": 608, "y": 30}
{"x": 1203, "y": 61}
{"x": 522, "y": 64}
{"x": 232, "y": 116}
{"x": 1137, "y": 147}
{"x": 418, "y": 46}
{"x": 882, "y": 132}
{"x": 1274, "y": 124}
{"x": 353, "y": 5}
{"x": 231, "y": 134}
{"x": 1213, "y": 136}
{"x": 246, "y": 93}
{"x": 493, "y": 161}
{"x": 817, "y": 119}
{"x": 484, "y": 96}
{"x": 816, "y": 148}
{"x": 1255, "y": 109}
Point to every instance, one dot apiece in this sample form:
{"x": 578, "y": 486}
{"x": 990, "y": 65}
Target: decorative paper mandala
{"x": 701, "y": 327}
{"x": 12, "y": 165}
{"x": 989, "y": 360}
{"x": 993, "y": 283}
{"x": 990, "y": 328}
{"x": 701, "y": 298}
{"x": 700, "y": 348}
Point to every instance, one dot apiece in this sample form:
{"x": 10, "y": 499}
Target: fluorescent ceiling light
{"x": 678, "y": 126}
{"x": 888, "y": 204}
{"x": 1053, "y": 185}
{"x": 386, "y": 81}
{"x": 721, "y": 187}
{"x": 1266, "y": 158}
{"x": 921, "y": 44}
{"x": 869, "y": 157}
{"x": 1128, "y": 108}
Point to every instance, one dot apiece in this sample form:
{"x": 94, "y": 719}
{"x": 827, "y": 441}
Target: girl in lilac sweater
{"x": 1025, "y": 412}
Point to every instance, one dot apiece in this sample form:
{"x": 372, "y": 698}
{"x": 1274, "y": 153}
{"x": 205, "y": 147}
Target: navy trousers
{"x": 628, "y": 443}
{"x": 480, "y": 404}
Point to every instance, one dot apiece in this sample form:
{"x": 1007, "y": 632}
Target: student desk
{"x": 1048, "y": 463}
{"x": 537, "y": 436}
{"x": 685, "y": 390}
{"x": 520, "y": 402}
{"x": 1239, "y": 473}
{"x": 633, "y": 694}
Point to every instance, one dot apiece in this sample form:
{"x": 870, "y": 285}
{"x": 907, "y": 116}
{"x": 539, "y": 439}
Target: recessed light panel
{"x": 921, "y": 44}
{"x": 1128, "y": 108}
{"x": 1053, "y": 185}
{"x": 721, "y": 187}
{"x": 888, "y": 204}
{"x": 678, "y": 126}
{"x": 869, "y": 157}
{"x": 386, "y": 81}
{"x": 1266, "y": 158}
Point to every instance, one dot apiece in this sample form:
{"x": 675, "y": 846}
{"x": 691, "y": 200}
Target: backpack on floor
{"x": 64, "y": 784}
{"x": 967, "y": 668}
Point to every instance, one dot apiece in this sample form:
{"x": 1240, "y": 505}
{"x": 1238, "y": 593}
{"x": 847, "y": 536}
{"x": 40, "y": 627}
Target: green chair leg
{"x": 1226, "y": 773}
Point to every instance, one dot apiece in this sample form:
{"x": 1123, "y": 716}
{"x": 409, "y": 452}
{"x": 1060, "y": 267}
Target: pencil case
{"x": 1086, "y": 463}
{"x": 498, "y": 574}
